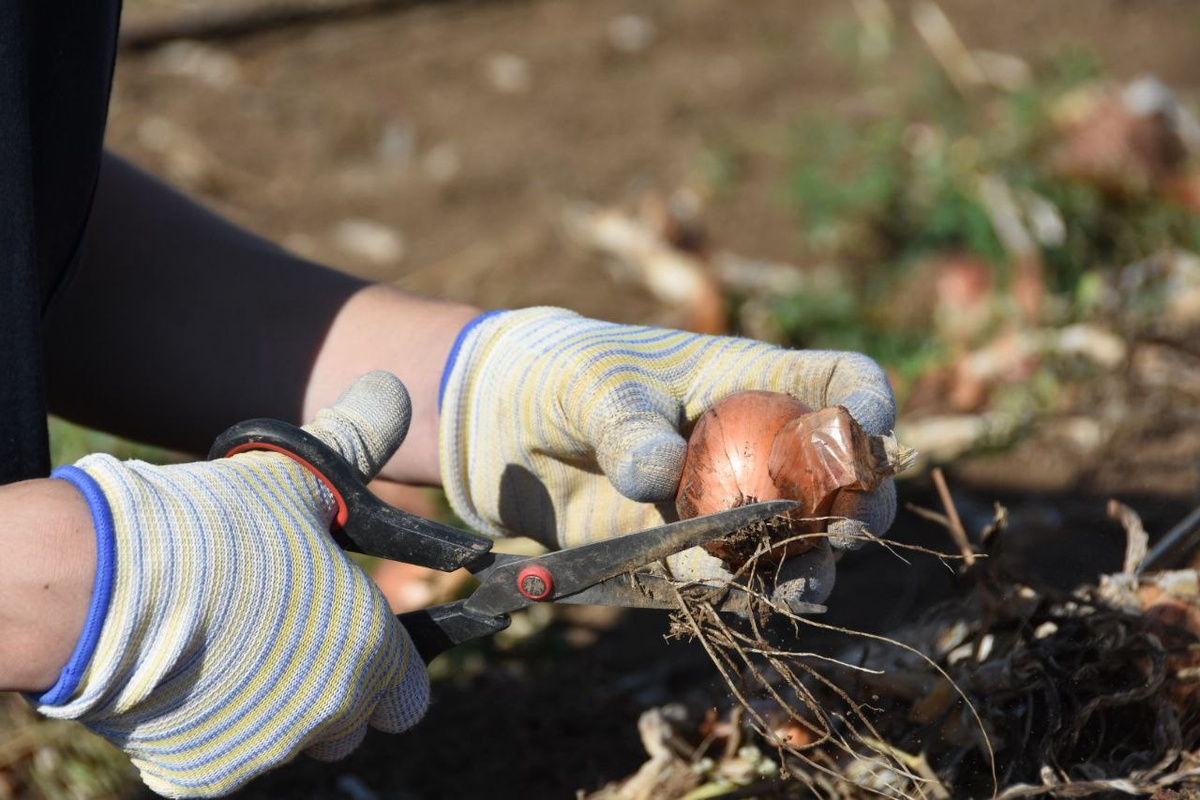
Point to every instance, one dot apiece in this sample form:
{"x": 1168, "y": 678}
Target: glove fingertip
{"x": 864, "y": 389}
{"x": 405, "y": 703}
{"x": 862, "y": 515}
{"x": 646, "y": 469}
{"x": 369, "y": 421}
{"x": 806, "y": 578}
{"x": 337, "y": 749}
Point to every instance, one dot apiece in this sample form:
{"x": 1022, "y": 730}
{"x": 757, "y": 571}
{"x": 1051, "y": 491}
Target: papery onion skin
{"x": 728, "y": 463}
{"x": 818, "y": 455}
{"x": 755, "y": 446}
{"x": 729, "y": 451}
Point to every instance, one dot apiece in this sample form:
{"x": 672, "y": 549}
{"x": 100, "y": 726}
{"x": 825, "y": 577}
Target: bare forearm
{"x": 382, "y": 327}
{"x": 46, "y": 578}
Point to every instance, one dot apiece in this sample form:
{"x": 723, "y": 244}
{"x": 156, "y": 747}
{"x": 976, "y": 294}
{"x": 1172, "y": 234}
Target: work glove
{"x": 567, "y": 430}
{"x": 227, "y": 632}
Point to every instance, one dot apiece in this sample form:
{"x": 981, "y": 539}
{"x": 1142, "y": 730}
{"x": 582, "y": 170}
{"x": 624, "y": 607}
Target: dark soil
{"x": 391, "y": 117}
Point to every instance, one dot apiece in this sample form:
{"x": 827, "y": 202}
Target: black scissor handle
{"x": 364, "y": 523}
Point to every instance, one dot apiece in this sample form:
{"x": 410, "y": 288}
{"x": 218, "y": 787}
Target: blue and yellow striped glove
{"x": 564, "y": 428}
{"x": 227, "y": 631}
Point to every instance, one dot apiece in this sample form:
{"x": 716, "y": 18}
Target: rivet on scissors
{"x": 536, "y": 582}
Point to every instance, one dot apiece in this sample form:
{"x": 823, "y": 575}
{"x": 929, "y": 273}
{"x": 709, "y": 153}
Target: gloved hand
{"x": 227, "y": 631}
{"x": 565, "y": 429}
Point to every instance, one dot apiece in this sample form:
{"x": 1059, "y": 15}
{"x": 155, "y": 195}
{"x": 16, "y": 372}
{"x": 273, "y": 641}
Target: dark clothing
{"x": 55, "y": 71}
{"x": 126, "y": 306}
{"x": 178, "y": 324}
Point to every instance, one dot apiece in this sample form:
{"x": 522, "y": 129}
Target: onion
{"x": 755, "y": 446}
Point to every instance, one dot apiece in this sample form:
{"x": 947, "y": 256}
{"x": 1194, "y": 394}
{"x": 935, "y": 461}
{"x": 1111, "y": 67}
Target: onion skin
{"x": 729, "y": 450}
{"x": 755, "y": 446}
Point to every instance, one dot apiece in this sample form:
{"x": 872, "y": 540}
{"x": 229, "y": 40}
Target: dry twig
{"x": 957, "y": 531}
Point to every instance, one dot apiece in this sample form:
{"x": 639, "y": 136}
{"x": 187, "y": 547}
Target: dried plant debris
{"x": 52, "y": 758}
{"x": 1008, "y": 691}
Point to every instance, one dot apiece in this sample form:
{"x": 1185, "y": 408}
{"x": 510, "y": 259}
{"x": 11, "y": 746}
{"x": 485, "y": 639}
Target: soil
{"x": 460, "y": 131}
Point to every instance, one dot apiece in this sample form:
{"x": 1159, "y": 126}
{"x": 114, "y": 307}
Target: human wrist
{"x": 382, "y": 327}
{"x": 46, "y": 580}
{"x": 101, "y": 595}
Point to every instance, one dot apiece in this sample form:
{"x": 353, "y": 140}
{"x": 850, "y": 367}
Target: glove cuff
{"x": 457, "y": 347}
{"x": 102, "y": 521}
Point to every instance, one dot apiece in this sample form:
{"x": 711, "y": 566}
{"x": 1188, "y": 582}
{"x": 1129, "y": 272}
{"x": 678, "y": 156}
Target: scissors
{"x": 605, "y": 572}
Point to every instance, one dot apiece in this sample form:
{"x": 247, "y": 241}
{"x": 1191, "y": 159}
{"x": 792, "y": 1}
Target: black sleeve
{"x": 56, "y": 69}
{"x": 176, "y": 323}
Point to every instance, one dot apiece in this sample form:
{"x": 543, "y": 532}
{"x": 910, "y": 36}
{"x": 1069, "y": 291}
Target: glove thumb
{"x": 368, "y": 422}
{"x": 640, "y": 450}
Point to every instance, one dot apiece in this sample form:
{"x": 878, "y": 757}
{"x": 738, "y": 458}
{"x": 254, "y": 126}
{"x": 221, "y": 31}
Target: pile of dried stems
{"x": 1010, "y": 691}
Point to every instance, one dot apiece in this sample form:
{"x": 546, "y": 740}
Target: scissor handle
{"x": 363, "y": 523}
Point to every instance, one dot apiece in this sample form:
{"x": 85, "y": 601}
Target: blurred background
{"x": 999, "y": 202}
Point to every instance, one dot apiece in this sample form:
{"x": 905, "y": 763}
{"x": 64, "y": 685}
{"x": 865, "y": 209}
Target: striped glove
{"x": 227, "y": 631}
{"x": 566, "y": 429}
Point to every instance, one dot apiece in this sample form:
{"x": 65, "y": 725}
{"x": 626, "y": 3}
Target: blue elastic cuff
{"x": 458, "y": 343}
{"x": 102, "y": 519}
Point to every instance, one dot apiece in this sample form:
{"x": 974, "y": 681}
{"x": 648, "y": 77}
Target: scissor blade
{"x": 644, "y": 590}
{"x": 577, "y": 568}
